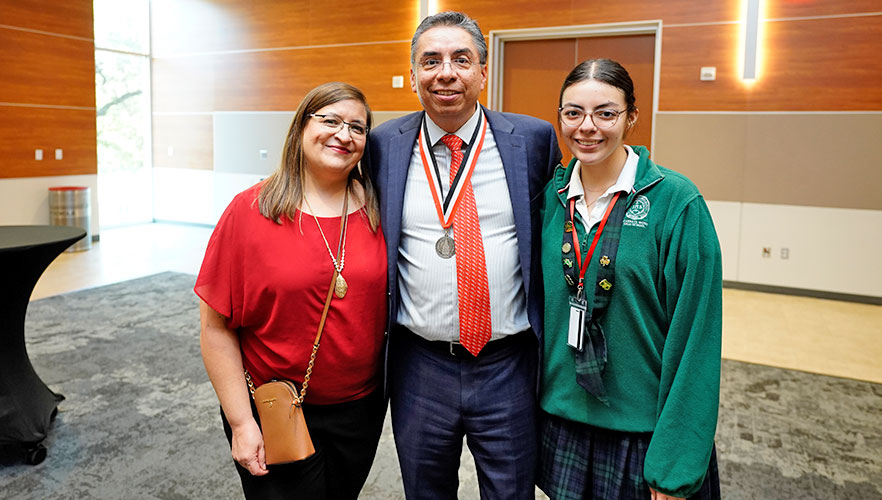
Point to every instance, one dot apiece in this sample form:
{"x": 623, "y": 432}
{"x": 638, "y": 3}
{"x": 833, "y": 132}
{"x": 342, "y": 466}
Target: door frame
{"x": 499, "y": 37}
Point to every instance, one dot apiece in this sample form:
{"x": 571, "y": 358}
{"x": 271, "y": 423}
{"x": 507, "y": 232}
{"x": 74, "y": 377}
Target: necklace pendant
{"x": 340, "y": 286}
{"x": 445, "y": 247}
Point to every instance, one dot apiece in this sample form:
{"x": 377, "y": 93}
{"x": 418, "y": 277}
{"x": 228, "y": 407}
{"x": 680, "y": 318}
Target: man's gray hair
{"x": 454, "y": 19}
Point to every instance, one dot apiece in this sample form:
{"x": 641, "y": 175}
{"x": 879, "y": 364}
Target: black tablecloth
{"x": 26, "y": 404}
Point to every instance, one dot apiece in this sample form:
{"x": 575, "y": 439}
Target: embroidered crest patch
{"x": 639, "y": 209}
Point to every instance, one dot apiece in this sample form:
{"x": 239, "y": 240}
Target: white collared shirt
{"x": 427, "y": 283}
{"x": 625, "y": 183}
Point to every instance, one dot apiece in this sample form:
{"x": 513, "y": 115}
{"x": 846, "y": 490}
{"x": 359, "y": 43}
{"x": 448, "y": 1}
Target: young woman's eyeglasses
{"x": 335, "y": 123}
{"x": 601, "y": 118}
{"x": 459, "y": 63}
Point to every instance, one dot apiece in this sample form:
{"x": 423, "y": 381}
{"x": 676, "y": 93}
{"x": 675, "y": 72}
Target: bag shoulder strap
{"x": 298, "y": 399}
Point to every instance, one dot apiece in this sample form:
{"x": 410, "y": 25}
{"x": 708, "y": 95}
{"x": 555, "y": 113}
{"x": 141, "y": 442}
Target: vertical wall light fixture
{"x": 751, "y": 39}
{"x": 427, "y": 8}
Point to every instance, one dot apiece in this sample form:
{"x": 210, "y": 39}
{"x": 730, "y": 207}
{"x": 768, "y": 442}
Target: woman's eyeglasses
{"x": 601, "y": 118}
{"x": 335, "y": 123}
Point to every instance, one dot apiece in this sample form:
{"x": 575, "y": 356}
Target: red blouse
{"x": 271, "y": 281}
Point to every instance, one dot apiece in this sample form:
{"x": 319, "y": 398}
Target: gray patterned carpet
{"x": 140, "y": 420}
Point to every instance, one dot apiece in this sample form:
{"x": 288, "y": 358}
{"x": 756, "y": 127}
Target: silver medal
{"x": 445, "y": 247}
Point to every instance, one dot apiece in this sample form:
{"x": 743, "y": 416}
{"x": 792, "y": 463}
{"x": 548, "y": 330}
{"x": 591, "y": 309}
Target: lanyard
{"x": 583, "y": 265}
{"x": 463, "y": 175}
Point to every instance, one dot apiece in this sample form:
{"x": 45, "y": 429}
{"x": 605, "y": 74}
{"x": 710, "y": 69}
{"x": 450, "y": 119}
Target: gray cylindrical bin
{"x": 71, "y": 206}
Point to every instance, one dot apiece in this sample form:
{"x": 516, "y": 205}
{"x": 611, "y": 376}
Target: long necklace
{"x": 340, "y": 285}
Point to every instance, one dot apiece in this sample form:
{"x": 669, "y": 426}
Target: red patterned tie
{"x": 471, "y": 270}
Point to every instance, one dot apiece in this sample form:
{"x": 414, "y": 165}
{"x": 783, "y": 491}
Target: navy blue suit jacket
{"x": 529, "y": 151}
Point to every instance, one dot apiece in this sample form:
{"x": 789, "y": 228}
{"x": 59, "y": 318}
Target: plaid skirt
{"x": 581, "y": 462}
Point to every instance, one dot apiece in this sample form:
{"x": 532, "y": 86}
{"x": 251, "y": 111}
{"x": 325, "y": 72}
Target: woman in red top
{"x": 263, "y": 285}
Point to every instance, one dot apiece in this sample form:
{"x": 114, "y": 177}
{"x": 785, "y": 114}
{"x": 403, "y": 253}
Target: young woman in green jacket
{"x": 632, "y": 277}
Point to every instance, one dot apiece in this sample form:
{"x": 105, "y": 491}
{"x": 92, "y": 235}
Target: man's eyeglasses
{"x": 459, "y": 63}
{"x": 601, "y": 118}
{"x": 335, "y": 123}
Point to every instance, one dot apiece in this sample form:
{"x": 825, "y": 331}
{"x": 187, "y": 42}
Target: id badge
{"x": 575, "y": 337}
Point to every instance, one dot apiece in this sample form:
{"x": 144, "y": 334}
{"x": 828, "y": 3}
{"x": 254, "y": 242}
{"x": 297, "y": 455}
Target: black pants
{"x": 345, "y": 437}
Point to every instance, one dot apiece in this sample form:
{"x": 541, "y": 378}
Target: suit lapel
{"x": 400, "y": 150}
{"x": 512, "y": 150}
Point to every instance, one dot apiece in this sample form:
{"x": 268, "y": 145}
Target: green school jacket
{"x": 663, "y": 325}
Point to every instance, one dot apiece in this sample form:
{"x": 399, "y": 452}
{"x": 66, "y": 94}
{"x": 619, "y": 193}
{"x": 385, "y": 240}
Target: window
{"x": 122, "y": 94}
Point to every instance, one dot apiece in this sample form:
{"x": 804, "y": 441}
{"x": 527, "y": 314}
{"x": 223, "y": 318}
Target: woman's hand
{"x": 247, "y": 448}
{"x": 661, "y": 496}
{"x": 223, "y": 363}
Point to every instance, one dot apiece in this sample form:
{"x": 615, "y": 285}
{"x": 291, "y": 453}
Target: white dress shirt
{"x": 426, "y": 281}
{"x": 625, "y": 183}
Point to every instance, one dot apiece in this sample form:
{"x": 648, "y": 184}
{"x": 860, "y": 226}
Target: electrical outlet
{"x": 38, "y": 154}
{"x": 785, "y": 253}
{"x": 263, "y": 154}
{"x": 708, "y": 73}
{"x": 398, "y": 81}
{"x": 59, "y": 154}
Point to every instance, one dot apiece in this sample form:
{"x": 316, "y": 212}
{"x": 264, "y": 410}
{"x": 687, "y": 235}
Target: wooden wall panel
{"x": 680, "y": 88}
{"x": 277, "y": 80}
{"x": 809, "y": 65}
{"x": 824, "y": 64}
{"x": 494, "y": 15}
{"x": 51, "y": 71}
{"x": 23, "y": 129}
{"x": 70, "y": 17}
{"x": 43, "y": 69}
{"x": 189, "y": 136}
{"x": 236, "y": 25}
{"x": 803, "y": 8}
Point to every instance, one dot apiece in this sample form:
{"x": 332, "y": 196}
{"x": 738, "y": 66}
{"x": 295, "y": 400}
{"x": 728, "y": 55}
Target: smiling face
{"x": 330, "y": 153}
{"x": 590, "y": 144}
{"x": 449, "y": 95}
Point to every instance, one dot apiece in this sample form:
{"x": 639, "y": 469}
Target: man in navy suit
{"x": 459, "y": 189}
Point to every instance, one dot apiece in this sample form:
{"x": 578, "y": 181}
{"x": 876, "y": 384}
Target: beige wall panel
{"x": 808, "y": 159}
{"x": 278, "y": 80}
{"x": 803, "y": 68}
{"x": 709, "y": 149}
{"x": 385, "y": 116}
{"x": 23, "y": 129}
{"x": 43, "y": 69}
{"x": 187, "y": 26}
{"x": 822, "y": 160}
{"x": 25, "y": 201}
{"x": 491, "y": 15}
{"x": 70, "y": 17}
{"x": 189, "y": 136}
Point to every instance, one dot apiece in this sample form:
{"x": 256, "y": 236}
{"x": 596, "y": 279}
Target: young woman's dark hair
{"x": 603, "y": 70}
